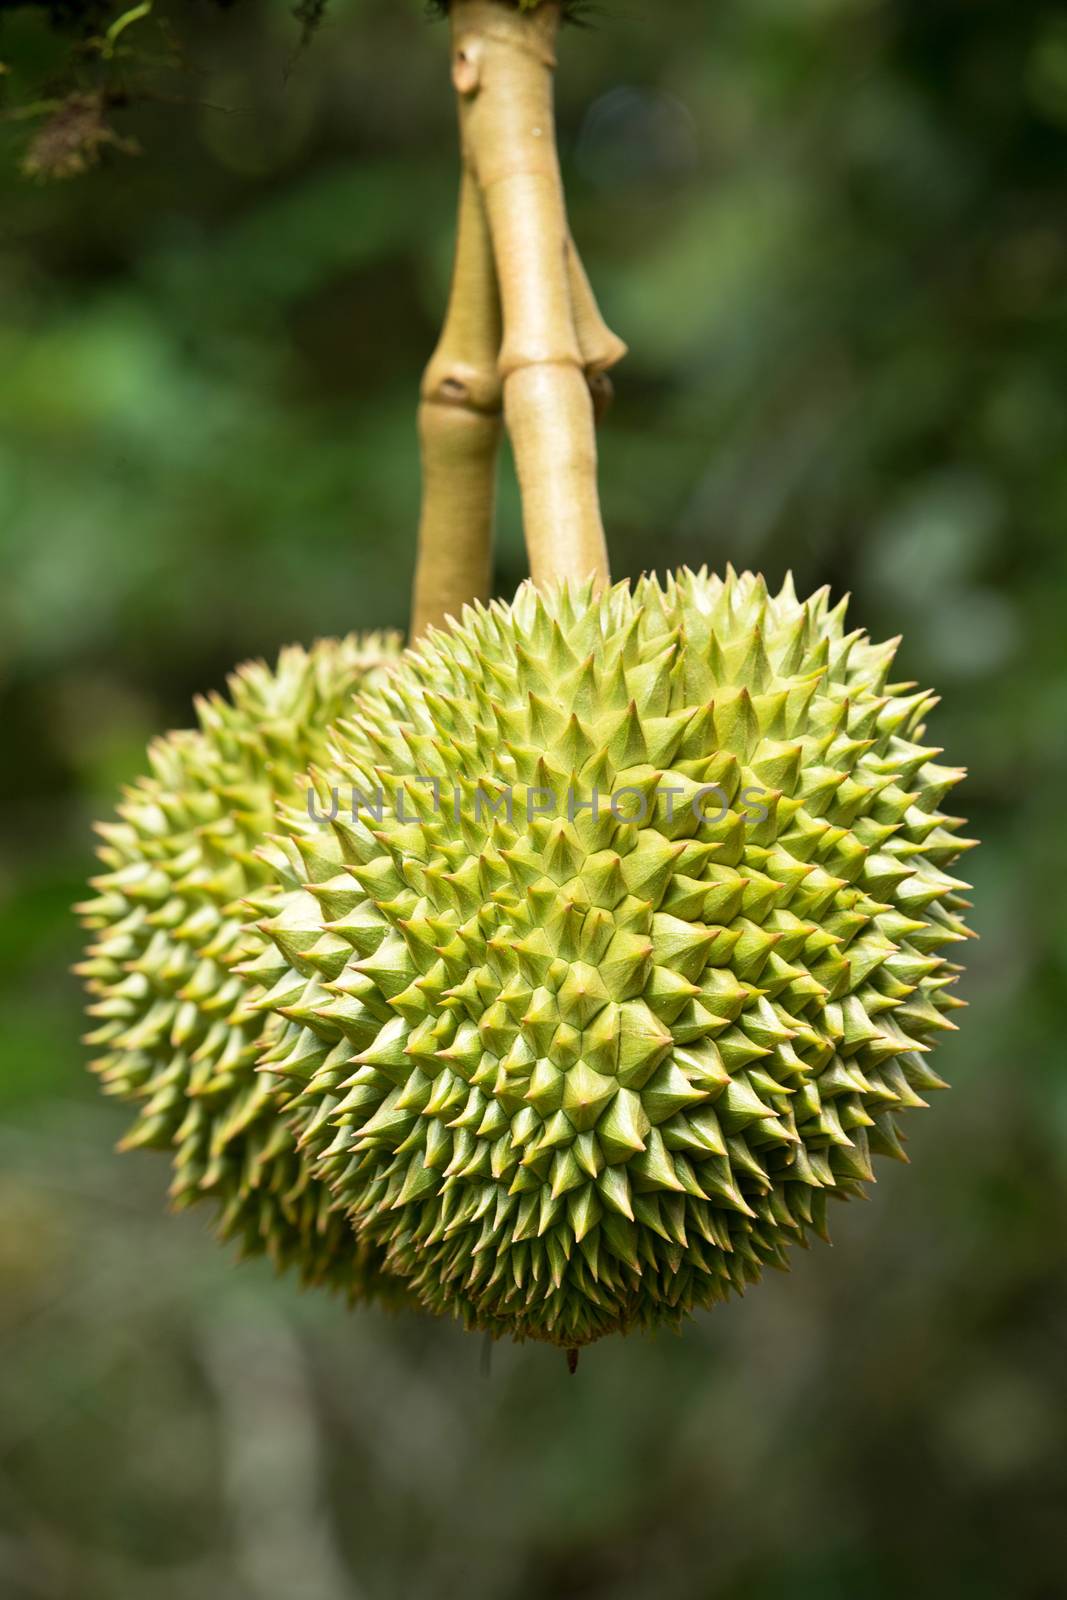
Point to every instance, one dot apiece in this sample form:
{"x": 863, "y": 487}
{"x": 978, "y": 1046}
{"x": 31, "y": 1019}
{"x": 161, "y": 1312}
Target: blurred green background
{"x": 833, "y": 232}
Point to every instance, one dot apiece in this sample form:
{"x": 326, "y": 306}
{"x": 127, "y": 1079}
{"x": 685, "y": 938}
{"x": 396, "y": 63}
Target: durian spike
{"x": 502, "y": 63}
{"x": 459, "y": 431}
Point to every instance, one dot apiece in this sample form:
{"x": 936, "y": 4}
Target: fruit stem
{"x": 601, "y": 348}
{"x": 459, "y": 431}
{"x": 502, "y": 64}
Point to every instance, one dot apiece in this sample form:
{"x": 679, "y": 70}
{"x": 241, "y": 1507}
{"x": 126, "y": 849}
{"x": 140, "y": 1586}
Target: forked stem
{"x": 502, "y": 64}
{"x": 523, "y": 333}
{"x": 459, "y": 431}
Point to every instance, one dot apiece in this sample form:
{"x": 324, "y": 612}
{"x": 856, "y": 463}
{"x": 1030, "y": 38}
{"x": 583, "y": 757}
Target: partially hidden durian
{"x": 174, "y": 1030}
{"x": 583, "y": 1069}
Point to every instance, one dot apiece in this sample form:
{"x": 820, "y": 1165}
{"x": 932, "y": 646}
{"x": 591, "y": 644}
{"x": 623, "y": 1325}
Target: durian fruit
{"x": 176, "y": 1034}
{"x": 579, "y": 1073}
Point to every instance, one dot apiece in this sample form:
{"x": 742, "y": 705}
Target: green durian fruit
{"x": 176, "y": 1034}
{"x": 586, "y": 1071}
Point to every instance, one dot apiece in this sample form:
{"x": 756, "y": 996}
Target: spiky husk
{"x": 577, "y": 1075}
{"x": 176, "y": 1033}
